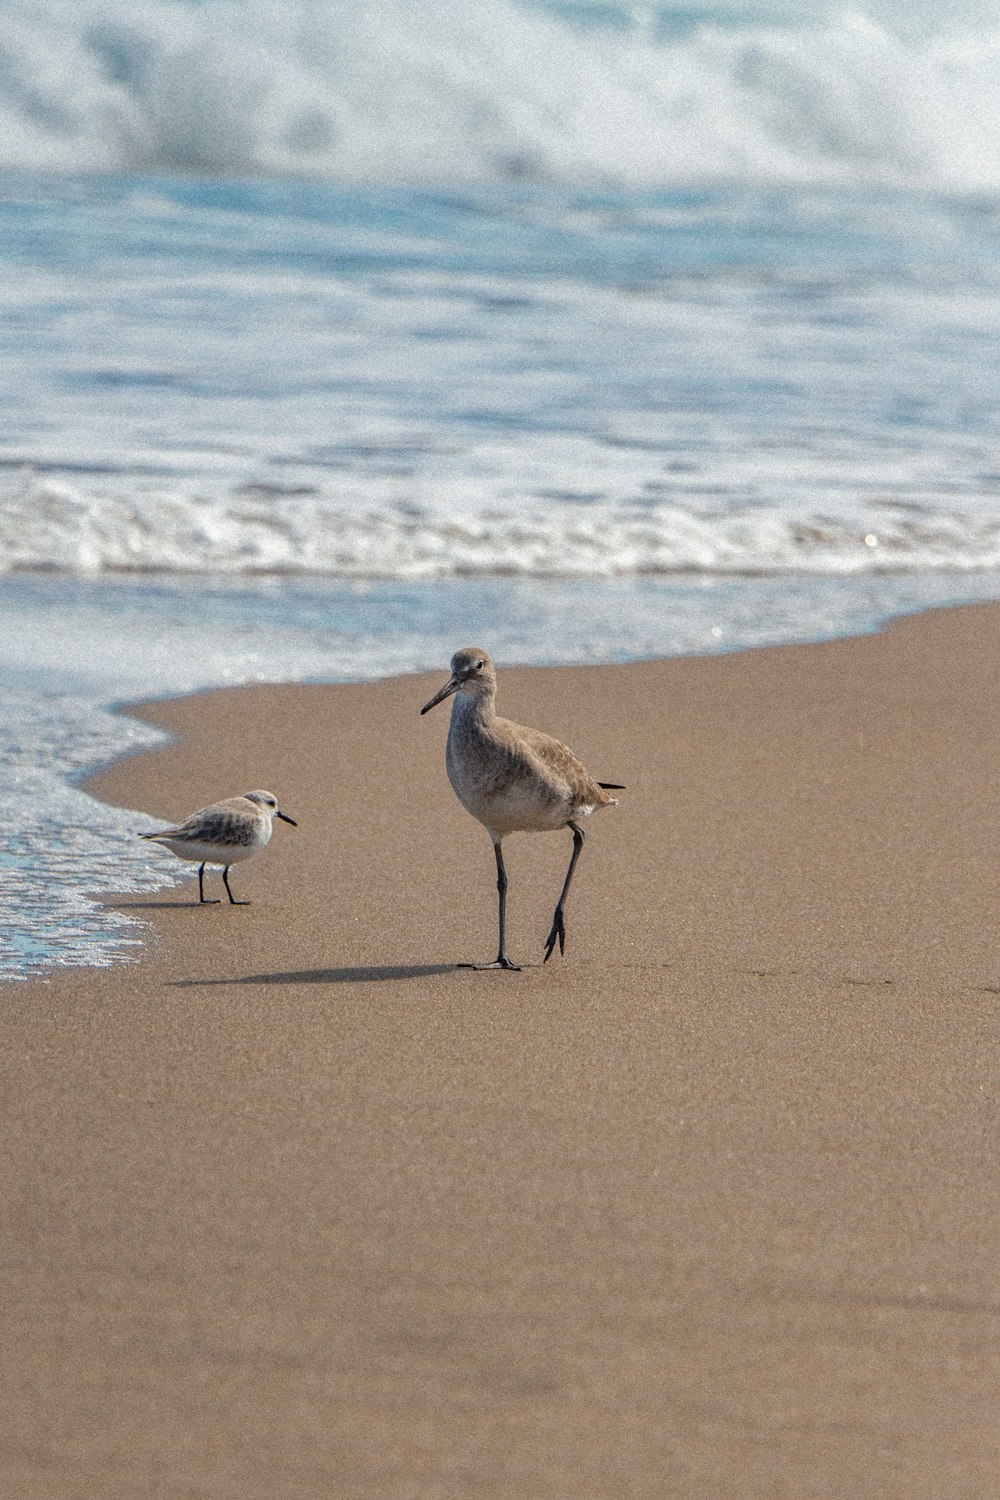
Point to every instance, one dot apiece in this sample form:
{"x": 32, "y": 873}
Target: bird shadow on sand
{"x": 159, "y": 905}
{"x": 360, "y": 975}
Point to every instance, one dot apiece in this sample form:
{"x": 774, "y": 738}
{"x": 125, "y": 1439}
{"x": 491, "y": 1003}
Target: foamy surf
{"x": 56, "y": 529}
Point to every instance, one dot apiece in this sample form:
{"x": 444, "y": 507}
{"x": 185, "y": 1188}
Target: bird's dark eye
{"x": 480, "y": 665}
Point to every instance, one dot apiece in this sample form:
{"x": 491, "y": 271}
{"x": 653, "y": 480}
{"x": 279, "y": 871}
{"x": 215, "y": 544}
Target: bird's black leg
{"x": 232, "y": 899}
{"x": 501, "y": 961}
{"x": 212, "y": 901}
{"x": 558, "y": 932}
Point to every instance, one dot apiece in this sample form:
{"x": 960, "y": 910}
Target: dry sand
{"x": 707, "y": 1208}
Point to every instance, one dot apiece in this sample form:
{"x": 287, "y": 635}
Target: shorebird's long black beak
{"x": 285, "y": 818}
{"x": 451, "y": 686}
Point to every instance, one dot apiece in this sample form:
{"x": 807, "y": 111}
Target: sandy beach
{"x": 705, "y": 1208}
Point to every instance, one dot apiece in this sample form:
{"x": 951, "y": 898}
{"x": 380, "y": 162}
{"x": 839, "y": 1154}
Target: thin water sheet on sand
{"x": 705, "y": 1208}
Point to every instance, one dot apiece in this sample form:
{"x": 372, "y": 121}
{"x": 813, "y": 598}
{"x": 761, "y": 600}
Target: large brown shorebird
{"x": 513, "y": 780}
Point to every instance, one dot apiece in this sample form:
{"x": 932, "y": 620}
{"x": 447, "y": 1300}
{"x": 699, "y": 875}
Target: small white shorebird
{"x": 513, "y": 779}
{"x": 223, "y": 834}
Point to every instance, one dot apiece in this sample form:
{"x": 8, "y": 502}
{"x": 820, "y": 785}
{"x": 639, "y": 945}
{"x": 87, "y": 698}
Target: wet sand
{"x": 706, "y": 1208}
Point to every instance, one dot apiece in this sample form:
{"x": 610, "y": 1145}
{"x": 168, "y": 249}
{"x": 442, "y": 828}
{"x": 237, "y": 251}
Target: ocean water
{"x": 332, "y": 337}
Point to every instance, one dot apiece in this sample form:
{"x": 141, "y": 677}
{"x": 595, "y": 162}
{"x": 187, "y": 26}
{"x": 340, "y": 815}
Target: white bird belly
{"x": 209, "y": 854}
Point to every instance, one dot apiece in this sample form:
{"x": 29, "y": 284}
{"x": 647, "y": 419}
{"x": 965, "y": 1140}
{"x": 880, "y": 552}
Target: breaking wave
{"x": 636, "y": 94}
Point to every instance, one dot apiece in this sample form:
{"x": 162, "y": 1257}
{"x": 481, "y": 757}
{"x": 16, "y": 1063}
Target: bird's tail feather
{"x": 612, "y": 786}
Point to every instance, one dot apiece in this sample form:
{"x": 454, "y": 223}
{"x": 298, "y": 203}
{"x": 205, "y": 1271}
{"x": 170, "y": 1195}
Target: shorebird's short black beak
{"x": 285, "y": 818}
{"x": 451, "y": 686}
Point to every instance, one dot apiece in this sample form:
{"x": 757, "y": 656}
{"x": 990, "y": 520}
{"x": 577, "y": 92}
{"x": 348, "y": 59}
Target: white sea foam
{"x": 645, "y": 94}
{"x": 55, "y": 528}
